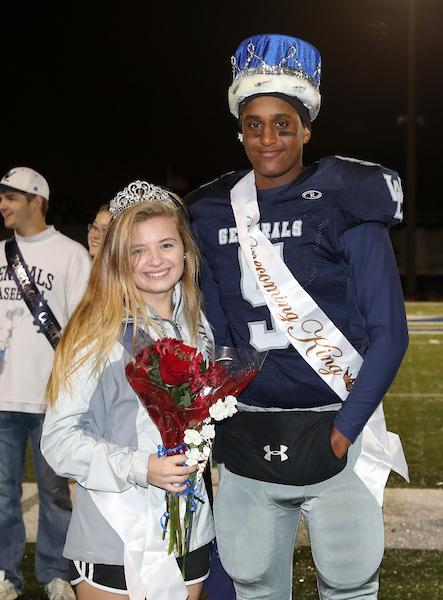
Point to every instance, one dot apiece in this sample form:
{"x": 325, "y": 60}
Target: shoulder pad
{"x": 375, "y": 193}
{"x": 215, "y": 188}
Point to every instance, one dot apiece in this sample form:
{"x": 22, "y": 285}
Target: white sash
{"x": 150, "y": 571}
{"x": 135, "y": 515}
{"x": 314, "y": 336}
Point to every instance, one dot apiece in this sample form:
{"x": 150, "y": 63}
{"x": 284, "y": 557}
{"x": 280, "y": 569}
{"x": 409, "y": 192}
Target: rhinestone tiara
{"x": 137, "y": 192}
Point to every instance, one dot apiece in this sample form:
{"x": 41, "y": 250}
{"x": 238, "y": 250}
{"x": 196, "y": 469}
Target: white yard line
{"x": 412, "y": 395}
{"x": 421, "y": 304}
{"x": 425, "y": 331}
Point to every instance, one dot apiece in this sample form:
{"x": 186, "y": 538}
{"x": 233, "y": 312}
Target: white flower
{"x": 193, "y": 456}
{"x": 194, "y": 453}
{"x": 218, "y": 411}
{"x": 223, "y": 409}
{"x": 207, "y": 432}
{"x": 231, "y": 405}
{"x": 192, "y": 436}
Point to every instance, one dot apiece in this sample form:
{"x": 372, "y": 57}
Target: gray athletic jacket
{"x": 99, "y": 434}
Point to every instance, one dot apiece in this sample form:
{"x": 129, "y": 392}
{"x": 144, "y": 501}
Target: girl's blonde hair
{"x": 111, "y": 295}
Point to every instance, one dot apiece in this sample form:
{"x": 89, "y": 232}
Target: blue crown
{"x": 269, "y": 63}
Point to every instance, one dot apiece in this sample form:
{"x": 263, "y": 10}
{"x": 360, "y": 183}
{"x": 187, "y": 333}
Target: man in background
{"x": 43, "y": 275}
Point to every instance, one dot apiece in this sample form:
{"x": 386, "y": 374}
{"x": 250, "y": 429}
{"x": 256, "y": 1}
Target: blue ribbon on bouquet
{"x": 162, "y": 451}
{"x": 164, "y": 520}
{"x": 190, "y": 493}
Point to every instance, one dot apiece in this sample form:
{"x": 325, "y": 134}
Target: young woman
{"x": 98, "y": 228}
{"x": 97, "y": 432}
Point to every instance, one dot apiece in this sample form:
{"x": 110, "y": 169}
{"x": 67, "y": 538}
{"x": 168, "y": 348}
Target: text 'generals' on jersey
{"x": 42, "y": 279}
{"x": 273, "y": 231}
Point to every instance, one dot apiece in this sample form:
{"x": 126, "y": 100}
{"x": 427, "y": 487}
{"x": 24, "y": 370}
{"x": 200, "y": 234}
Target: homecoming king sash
{"x": 315, "y": 337}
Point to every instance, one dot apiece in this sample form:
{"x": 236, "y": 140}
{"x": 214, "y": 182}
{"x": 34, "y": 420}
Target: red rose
{"x": 185, "y": 351}
{"x": 174, "y": 370}
{"x": 197, "y": 381}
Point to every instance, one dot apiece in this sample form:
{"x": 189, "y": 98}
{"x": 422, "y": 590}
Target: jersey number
{"x": 260, "y": 337}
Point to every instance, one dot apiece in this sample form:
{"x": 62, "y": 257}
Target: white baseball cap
{"x": 24, "y": 179}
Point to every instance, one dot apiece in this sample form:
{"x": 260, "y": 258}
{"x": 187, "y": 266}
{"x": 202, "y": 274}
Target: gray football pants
{"x": 256, "y": 525}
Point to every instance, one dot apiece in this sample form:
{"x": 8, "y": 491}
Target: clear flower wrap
{"x": 184, "y": 394}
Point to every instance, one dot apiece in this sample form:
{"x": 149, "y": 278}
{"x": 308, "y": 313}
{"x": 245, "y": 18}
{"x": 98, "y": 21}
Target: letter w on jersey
{"x": 281, "y": 453}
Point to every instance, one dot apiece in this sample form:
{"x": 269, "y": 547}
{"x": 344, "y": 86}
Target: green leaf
{"x": 186, "y": 398}
{"x": 182, "y": 395}
{"x": 154, "y": 375}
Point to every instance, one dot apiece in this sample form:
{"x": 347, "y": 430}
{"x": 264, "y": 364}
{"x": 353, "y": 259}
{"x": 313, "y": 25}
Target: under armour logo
{"x": 281, "y": 453}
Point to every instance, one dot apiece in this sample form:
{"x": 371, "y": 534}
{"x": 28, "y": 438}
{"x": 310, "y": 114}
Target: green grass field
{"x": 414, "y": 409}
{"x": 406, "y": 574}
{"x": 414, "y": 404}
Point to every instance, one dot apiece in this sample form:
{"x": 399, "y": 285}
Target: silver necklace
{"x": 159, "y": 319}
{"x": 161, "y": 323}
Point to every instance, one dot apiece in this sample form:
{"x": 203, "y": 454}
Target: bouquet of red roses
{"x": 183, "y": 393}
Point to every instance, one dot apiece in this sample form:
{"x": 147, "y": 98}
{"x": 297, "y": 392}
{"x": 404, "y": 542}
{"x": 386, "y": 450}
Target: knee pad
{"x": 347, "y": 539}
{"x": 245, "y": 544}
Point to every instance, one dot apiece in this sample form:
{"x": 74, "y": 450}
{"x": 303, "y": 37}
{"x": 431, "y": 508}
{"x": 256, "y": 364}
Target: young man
{"x": 298, "y": 262}
{"x": 46, "y": 272}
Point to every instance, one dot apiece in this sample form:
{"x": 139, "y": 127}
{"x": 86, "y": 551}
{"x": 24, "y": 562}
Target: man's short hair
{"x": 44, "y": 204}
{"x": 301, "y": 109}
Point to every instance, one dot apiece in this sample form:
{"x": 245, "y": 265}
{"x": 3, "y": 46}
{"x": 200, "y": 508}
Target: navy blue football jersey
{"x": 307, "y": 221}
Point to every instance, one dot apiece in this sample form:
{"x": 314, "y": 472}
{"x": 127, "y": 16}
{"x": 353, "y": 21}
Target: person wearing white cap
{"x": 298, "y": 261}
{"x": 42, "y": 277}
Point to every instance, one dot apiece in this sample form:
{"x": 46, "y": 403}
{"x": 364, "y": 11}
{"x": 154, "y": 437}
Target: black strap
{"x": 44, "y": 318}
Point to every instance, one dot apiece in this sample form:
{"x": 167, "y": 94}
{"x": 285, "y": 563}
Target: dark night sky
{"x": 98, "y": 95}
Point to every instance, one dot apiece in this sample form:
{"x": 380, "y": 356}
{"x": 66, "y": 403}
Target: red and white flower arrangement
{"x": 184, "y": 395}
